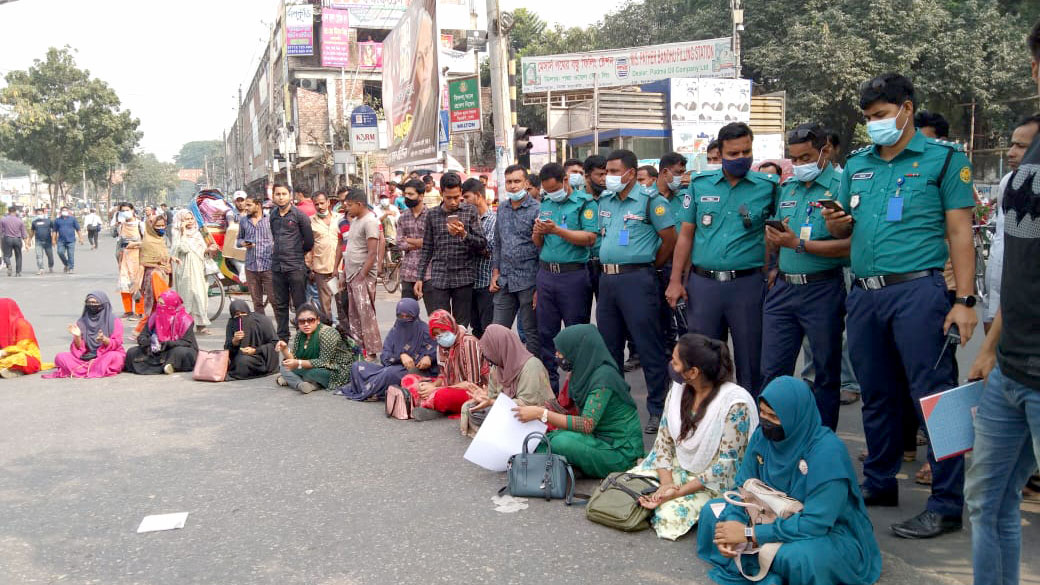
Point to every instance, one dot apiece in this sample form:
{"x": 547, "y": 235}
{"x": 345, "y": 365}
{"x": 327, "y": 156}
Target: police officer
{"x": 899, "y": 198}
{"x": 807, "y": 298}
{"x": 637, "y": 234}
{"x": 565, "y": 231}
{"x": 723, "y": 223}
{"x": 669, "y": 184}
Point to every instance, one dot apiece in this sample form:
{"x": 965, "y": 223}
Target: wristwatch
{"x": 968, "y": 301}
{"x": 545, "y": 416}
{"x": 749, "y": 533}
{"x": 800, "y": 249}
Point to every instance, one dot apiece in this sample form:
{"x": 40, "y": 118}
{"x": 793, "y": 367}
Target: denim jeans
{"x": 67, "y": 254}
{"x": 509, "y": 306}
{"x": 1007, "y": 447}
{"x": 44, "y": 251}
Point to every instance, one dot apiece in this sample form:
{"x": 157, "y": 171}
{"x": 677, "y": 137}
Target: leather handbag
{"x": 211, "y": 365}
{"x": 540, "y": 475}
{"x": 615, "y": 503}
{"x": 764, "y": 505}
{"x": 398, "y": 403}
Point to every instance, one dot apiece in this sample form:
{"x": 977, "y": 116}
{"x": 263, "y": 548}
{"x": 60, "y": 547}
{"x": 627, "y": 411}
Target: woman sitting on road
{"x": 832, "y": 540}
{"x": 408, "y": 346}
{"x": 250, "y": 342}
{"x": 320, "y": 358}
{"x": 514, "y": 372}
{"x": 606, "y": 436}
{"x": 462, "y": 370}
{"x": 97, "y": 343}
{"x": 19, "y": 352}
{"x": 167, "y": 344}
{"x": 703, "y": 435}
{"x": 189, "y": 270}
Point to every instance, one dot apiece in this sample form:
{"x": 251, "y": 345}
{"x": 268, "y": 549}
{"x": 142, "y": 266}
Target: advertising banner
{"x": 364, "y": 129}
{"x": 411, "y": 92}
{"x": 370, "y": 55}
{"x": 335, "y": 38}
{"x": 699, "y": 107}
{"x": 464, "y": 104}
{"x": 299, "y": 30}
{"x": 380, "y": 14}
{"x": 635, "y": 66}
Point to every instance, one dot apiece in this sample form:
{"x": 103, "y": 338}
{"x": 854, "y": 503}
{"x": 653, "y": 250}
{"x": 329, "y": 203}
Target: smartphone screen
{"x": 830, "y": 204}
{"x": 453, "y": 218}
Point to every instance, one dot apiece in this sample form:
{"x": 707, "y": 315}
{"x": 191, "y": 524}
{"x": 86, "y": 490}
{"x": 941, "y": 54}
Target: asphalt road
{"x": 284, "y": 488}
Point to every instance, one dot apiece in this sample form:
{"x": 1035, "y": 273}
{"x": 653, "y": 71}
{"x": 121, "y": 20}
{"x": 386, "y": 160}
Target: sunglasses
{"x": 307, "y": 320}
{"x": 801, "y": 134}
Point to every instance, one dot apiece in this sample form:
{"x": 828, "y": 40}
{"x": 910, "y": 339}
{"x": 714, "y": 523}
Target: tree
{"x": 203, "y": 154}
{"x": 150, "y": 180}
{"x": 60, "y": 121}
{"x": 10, "y": 168}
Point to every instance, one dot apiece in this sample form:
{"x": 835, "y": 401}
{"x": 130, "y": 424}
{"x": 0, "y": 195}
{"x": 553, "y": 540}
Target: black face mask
{"x": 597, "y": 189}
{"x": 676, "y": 376}
{"x": 93, "y": 309}
{"x": 410, "y": 203}
{"x": 772, "y": 431}
{"x": 566, "y": 365}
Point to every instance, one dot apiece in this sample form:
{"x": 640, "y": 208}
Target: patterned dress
{"x": 331, "y": 368}
{"x": 675, "y": 518}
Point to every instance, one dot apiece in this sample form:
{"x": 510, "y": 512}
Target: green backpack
{"x": 615, "y": 503}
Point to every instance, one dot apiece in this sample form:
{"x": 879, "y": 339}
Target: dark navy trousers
{"x": 895, "y": 339}
{"x": 816, "y": 311}
{"x": 716, "y": 309}
{"x": 566, "y": 298}
{"x": 631, "y": 303}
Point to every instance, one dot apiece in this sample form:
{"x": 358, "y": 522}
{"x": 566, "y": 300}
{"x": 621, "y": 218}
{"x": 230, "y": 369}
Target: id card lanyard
{"x": 622, "y": 235}
{"x": 806, "y": 232}
{"x": 895, "y": 204}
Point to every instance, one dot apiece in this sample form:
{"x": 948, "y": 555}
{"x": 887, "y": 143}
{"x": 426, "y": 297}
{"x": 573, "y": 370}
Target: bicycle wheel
{"x": 392, "y": 278}
{"x": 216, "y": 296}
{"x": 980, "y": 274}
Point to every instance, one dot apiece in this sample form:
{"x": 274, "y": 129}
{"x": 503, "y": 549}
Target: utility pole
{"x": 498, "y": 31}
{"x": 738, "y": 27}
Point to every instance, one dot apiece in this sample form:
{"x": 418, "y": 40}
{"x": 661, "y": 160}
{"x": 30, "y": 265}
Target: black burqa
{"x": 259, "y": 335}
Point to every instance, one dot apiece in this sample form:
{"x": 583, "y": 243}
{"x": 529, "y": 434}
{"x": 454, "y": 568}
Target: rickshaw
{"x": 210, "y": 210}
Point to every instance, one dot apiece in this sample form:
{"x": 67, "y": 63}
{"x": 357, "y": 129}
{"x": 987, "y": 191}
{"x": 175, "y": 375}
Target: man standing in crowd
{"x": 431, "y": 197}
{"x": 304, "y": 202}
{"x": 668, "y": 185}
{"x": 724, "y": 226}
{"x": 93, "y": 224}
{"x": 483, "y": 309}
{"x": 807, "y": 298}
{"x": 1007, "y": 423}
{"x": 565, "y": 232}
{"x": 410, "y": 230}
{"x": 514, "y": 262}
{"x": 323, "y": 258}
{"x": 713, "y": 156}
{"x": 452, "y": 241}
{"x": 168, "y": 214}
{"x": 637, "y": 235}
{"x": 342, "y": 233}
{"x": 12, "y": 230}
{"x": 293, "y": 238}
{"x": 254, "y": 234}
{"x": 67, "y": 228}
{"x": 42, "y": 235}
{"x": 359, "y": 273}
{"x": 646, "y": 175}
{"x": 575, "y": 173}
{"x": 901, "y": 199}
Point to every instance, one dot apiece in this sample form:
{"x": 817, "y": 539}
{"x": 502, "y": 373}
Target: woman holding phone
{"x": 250, "y": 342}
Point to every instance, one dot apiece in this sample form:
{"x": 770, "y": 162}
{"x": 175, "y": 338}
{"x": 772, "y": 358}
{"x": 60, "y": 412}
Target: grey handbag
{"x": 540, "y": 475}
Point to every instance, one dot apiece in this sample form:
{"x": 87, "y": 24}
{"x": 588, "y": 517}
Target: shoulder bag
{"x": 764, "y": 505}
{"x": 211, "y": 366}
{"x": 615, "y": 503}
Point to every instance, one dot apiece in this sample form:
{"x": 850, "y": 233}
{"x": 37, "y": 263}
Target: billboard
{"x": 370, "y": 55}
{"x": 380, "y": 14}
{"x": 635, "y": 66}
{"x": 698, "y": 107}
{"x": 335, "y": 38}
{"x": 299, "y": 30}
{"x": 464, "y": 104}
{"x": 364, "y": 129}
{"x": 411, "y": 92}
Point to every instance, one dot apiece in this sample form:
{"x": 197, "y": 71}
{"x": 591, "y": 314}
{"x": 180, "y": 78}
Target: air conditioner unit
{"x": 310, "y": 84}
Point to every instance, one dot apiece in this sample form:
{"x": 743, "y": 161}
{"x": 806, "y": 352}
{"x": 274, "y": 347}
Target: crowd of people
{"x": 681, "y": 265}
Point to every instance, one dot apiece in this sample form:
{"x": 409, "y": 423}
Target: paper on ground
{"x": 501, "y": 436}
{"x": 508, "y": 504}
{"x": 162, "y": 522}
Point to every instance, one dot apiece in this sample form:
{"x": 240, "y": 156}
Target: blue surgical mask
{"x": 516, "y": 196}
{"x": 675, "y": 183}
{"x": 737, "y": 167}
{"x": 809, "y": 171}
{"x": 556, "y": 196}
{"x": 885, "y": 132}
{"x": 161, "y": 232}
{"x": 446, "y": 339}
{"x": 577, "y": 181}
{"x": 614, "y": 184}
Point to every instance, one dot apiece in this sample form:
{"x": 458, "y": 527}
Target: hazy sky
{"x": 176, "y": 65}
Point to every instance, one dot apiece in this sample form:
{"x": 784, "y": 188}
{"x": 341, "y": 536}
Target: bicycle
{"x": 391, "y": 272}
{"x": 982, "y": 238}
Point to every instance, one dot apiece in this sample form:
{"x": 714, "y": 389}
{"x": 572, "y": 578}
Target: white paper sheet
{"x": 333, "y": 285}
{"x": 162, "y": 522}
{"x": 501, "y": 436}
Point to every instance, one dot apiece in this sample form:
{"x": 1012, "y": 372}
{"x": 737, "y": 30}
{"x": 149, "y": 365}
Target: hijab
{"x": 507, "y": 353}
{"x": 192, "y": 238}
{"x": 257, "y": 328}
{"x": 169, "y": 320}
{"x": 153, "y": 247}
{"x": 89, "y": 325}
{"x": 10, "y": 317}
{"x": 441, "y": 321}
{"x": 593, "y": 369}
{"x": 409, "y": 335}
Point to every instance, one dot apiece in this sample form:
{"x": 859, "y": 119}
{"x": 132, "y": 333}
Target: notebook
{"x": 950, "y": 418}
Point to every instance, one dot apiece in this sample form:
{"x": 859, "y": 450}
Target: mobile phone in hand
{"x": 776, "y": 225}
{"x": 453, "y": 218}
{"x": 830, "y": 204}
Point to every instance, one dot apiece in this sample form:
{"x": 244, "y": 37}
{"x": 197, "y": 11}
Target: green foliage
{"x": 10, "y": 168}
{"x": 60, "y": 121}
{"x": 194, "y": 154}
{"x": 150, "y": 180}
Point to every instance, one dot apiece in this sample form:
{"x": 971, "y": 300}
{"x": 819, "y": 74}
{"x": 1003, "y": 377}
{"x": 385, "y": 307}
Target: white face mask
{"x": 384, "y": 202}
{"x": 713, "y": 166}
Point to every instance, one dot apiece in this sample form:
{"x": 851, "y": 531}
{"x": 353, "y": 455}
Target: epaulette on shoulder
{"x": 955, "y": 146}
{"x": 860, "y": 151}
{"x": 772, "y": 178}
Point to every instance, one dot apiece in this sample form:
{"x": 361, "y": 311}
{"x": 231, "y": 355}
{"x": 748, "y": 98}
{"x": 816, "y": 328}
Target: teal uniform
{"x": 721, "y": 242}
{"x": 895, "y": 326}
{"x": 627, "y": 235}
{"x": 798, "y": 202}
{"x": 578, "y": 212}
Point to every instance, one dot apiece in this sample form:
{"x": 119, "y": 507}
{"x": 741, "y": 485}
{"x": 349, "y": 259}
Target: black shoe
{"x": 652, "y": 425}
{"x": 633, "y": 364}
{"x": 884, "y": 499}
{"x": 927, "y": 524}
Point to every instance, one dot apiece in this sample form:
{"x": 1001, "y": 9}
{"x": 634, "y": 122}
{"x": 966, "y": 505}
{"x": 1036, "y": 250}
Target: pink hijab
{"x": 507, "y": 353}
{"x": 169, "y": 320}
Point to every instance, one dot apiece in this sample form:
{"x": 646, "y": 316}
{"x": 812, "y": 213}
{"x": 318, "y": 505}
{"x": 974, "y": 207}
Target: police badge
{"x": 706, "y": 220}
{"x": 854, "y": 202}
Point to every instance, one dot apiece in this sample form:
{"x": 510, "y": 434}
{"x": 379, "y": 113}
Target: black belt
{"x": 814, "y": 277}
{"x": 623, "y": 268}
{"x": 725, "y": 275}
{"x": 880, "y": 282}
{"x": 562, "y": 267}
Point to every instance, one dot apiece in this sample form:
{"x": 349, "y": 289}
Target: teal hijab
{"x": 583, "y": 346}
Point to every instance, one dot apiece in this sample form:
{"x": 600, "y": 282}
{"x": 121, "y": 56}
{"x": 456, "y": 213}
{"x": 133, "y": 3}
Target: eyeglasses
{"x": 307, "y": 320}
{"x": 802, "y": 134}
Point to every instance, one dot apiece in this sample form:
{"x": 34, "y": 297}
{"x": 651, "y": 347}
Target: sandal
{"x": 924, "y": 475}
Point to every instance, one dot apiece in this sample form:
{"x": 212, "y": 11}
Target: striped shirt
{"x": 258, "y": 257}
{"x": 487, "y": 221}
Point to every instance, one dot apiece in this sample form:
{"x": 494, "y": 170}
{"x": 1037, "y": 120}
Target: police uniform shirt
{"x": 798, "y": 203}
{"x": 627, "y": 235}
{"x": 577, "y": 212}
{"x": 714, "y": 208}
{"x": 675, "y": 203}
{"x": 900, "y": 205}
